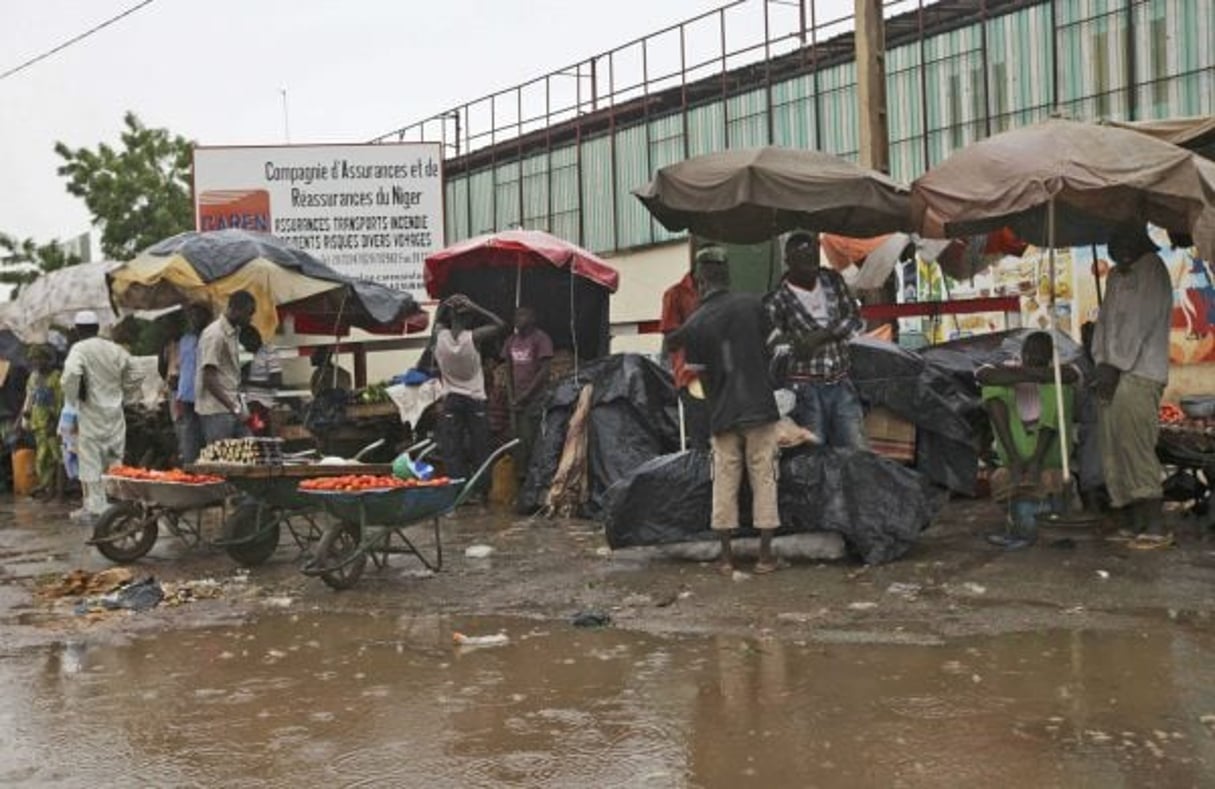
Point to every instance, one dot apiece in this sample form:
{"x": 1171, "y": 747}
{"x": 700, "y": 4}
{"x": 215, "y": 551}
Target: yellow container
{"x": 25, "y": 472}
{"x": 504, "y": 486}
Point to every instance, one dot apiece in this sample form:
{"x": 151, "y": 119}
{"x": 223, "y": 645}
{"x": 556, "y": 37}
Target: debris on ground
{"x": 862, "y": 605}
{"x": 142, "y": 595}
{"x": 478, "y": 551}
{"x": 904, "y": 590}
{"x": 183, "y": 592}
{"x": 81, "y": 582}
{"x": 591, "y": 619}
{"x": 494, "y": 640}
{"x": 970, "y": 589}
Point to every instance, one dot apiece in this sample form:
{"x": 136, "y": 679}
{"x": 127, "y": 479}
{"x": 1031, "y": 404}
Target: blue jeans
{"x": 217, "y": 427}
{"x": 832, "y": 411}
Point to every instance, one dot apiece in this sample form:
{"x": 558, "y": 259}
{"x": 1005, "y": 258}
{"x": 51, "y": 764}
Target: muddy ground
{"x": 1076, "y": 662}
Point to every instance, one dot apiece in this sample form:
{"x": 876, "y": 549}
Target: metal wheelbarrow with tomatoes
{"x": 372, "y": 523}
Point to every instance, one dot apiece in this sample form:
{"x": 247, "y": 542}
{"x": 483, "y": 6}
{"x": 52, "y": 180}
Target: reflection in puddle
{"x": 372, "y": 701}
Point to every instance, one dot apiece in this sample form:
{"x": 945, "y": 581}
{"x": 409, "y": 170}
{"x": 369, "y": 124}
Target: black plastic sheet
{"x": 935, "y": 389}
{"x": 634, "y": 418}
{"x": 877, "y": 505}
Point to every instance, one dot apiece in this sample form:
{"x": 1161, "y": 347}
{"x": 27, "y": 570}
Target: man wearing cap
{"x": 813, "y": 317}
{"x": 217, "y": 378}
{"x": 1131, "y": 349}
{"x": 97, "y": 379}
{"x": 724, "y": 339}
{"x": 678, "y": 303}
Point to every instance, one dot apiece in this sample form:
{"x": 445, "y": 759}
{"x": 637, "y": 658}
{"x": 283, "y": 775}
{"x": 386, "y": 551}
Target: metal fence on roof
{"x": 562, "y": 152}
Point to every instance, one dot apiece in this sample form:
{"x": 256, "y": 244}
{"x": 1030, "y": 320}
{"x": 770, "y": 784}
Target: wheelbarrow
{"x": 130, "y": 526}
{"x": 272, "y": 501}
{"x": 368, "y": 521}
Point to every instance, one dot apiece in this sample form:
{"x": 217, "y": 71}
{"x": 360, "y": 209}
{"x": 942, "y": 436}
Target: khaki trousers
{"x": 1129, "y": 426}
{"x": 755, "y": 449}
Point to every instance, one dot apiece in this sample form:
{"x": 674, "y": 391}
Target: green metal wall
{"x": 585, "y": 194}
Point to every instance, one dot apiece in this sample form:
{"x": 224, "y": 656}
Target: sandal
{"x": 1151, "y": 542}
{"x": 766, "y": 568}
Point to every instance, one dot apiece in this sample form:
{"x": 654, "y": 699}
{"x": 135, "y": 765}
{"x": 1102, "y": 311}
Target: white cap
{"x": 87, "y": 318}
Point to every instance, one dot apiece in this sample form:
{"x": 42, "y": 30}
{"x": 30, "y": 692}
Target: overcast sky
{"x": 213, "y": 72}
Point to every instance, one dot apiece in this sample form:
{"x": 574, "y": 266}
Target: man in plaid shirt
{"x": 813, "y": 317}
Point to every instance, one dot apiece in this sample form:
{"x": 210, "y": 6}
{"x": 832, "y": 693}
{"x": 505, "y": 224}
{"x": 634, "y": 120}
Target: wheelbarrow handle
{"x": 471, "y": 483}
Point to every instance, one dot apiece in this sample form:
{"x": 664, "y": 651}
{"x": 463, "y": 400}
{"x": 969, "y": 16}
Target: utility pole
{"x": 870, "y": 40}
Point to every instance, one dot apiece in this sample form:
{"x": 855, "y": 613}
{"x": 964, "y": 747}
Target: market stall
{"x": 1063, "y": 184}
{"x": 290, "y": 285}
{"x": 567, "y": 286}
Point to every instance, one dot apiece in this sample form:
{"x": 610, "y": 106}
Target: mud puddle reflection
{"x": 377, "y": 701}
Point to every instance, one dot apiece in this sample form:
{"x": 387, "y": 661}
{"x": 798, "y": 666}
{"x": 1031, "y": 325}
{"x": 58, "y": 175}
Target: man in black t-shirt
{"x": 725, "y": 338}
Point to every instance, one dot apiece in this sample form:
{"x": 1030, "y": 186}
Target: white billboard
{"x": 369, "y": 211}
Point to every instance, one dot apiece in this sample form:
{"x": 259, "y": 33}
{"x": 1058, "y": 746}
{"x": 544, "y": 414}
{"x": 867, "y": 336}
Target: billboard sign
{"x": 369, "y": 211}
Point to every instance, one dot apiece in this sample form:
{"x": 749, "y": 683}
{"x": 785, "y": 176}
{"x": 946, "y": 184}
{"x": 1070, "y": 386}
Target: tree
{"x": 22, "y": 262}
{"x": 138, "y": 194}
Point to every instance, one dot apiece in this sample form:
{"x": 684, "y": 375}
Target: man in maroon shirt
{"x": 528, "y": 352}
{"x": 678, "y": 303}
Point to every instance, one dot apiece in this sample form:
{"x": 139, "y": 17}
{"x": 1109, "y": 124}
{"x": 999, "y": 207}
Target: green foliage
{"x": 22, "y": 262}
{"x": 138, "y": 194}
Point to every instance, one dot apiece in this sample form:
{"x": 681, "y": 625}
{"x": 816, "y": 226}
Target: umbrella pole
{"x": 518, "y": 280}
{"x": 1096, "y": 276}
{"x": 1064, "y": 447}
{"x": 573, "y": 321}
{"x": 683, "y": 426}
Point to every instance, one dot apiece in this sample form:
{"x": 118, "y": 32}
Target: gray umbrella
{"x": 752, "y": 195}
{"x": 1093, "y": 176}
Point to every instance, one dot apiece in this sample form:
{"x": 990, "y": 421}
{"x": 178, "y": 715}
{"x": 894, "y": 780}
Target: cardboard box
{"x": 890, "y": 435}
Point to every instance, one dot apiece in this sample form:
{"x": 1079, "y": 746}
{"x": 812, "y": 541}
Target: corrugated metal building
{"x": 562, "y": 153}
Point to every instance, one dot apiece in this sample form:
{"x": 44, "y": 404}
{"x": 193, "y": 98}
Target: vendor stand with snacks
{"x": 370, "y": 510}
{"x": 1186, "y": 446}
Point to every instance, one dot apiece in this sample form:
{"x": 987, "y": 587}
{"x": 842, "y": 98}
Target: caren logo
{"x": 242, "y": 209}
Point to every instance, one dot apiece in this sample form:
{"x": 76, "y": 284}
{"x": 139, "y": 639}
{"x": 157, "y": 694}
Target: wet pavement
{"x": 374, "y": 701}
{"x": 1088, "y": 665}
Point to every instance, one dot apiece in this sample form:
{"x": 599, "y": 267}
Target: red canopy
{"x": 517, "y": 248}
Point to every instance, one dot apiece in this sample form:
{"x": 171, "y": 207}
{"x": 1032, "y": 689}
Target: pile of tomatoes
{"x": 367, "y": 482}
{"x": 151, "y": 475}
{"x": 1171, "y": 414}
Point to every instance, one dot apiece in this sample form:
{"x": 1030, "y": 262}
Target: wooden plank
{"x": 299, "y": 471}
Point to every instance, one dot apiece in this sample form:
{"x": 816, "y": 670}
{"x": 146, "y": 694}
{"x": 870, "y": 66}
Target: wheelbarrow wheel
{"x": 125, "y": 532}
{"x": 337, "y": 547}
{"x": 244, "y": 523}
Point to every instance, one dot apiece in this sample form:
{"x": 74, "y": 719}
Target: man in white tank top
{"x": 464, "y": 428}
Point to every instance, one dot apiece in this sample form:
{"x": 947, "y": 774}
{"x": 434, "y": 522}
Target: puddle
{"x": 376, "y": 701}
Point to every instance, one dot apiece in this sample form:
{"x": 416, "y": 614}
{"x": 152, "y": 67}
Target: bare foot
{"x": 724, "y": 567}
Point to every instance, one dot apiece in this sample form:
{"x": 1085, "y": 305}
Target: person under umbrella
{"x": 528, "y": 353}
{"x": 464, "y": 435}
{"x": 725, "y": 338}
{"x": 217, "y": 380}
{"x": 185, "y": 418}
{"x": 813, "y": 314}
{"x": 98, "y": 378}
{"x": 43, "y": 402}
{"x": 1131, "y": 349}
{"x": 328, "y": 375}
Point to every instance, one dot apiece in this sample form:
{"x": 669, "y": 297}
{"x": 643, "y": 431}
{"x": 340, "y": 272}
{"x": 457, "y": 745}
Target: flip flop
{"x": 1151, "y": 542}
{"x": 763, "y": 568}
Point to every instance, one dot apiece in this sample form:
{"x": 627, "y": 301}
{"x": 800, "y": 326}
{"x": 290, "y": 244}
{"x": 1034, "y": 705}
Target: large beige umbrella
{"x": 751, "y": 195}
{"x": 1063, "y": 183}
{"x": 1091, "y": 177}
